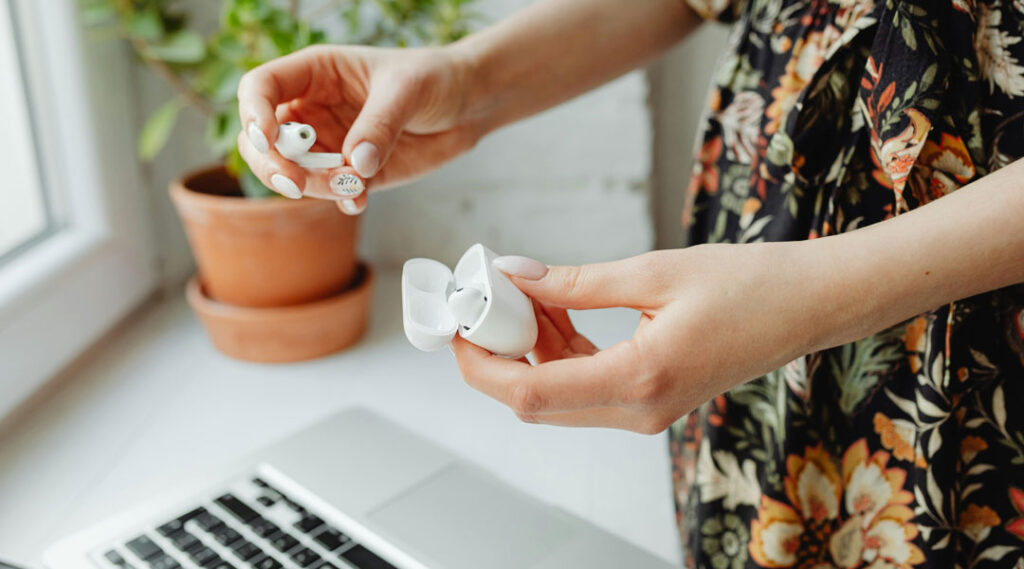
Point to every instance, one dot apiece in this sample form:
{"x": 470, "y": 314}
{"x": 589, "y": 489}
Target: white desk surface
{"x": 157, "y": 400}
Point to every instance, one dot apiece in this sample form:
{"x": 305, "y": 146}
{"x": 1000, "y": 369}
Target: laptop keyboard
{"x": 253, "y": 526}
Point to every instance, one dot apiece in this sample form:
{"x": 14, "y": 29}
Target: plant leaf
{"x": 999, "y": 407}
{"x": 969, "y": 489}
{"x": 933, "y": 490}
{"x": 905, "y": 405}
{"x": 97, "y": 13}
{"x": 929, "y": 76}
{"x": 145, "y": 25}
{"x": 975, "y": 423}
{"x": 157, "y": 129}
{"x": 934, "y": 442}
{"x": 996, "y": 552}
{"x": 252, "y": 187}
{"x": 979, "y": 469}
{"x": 928, "y": 408}
{"x": 222, "y": 131}
{"x": 908, "y": 35}
{"x": 184, "y": 46}
{"x": 226, "y": 86}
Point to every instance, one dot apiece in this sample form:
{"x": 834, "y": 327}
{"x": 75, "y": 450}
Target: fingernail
{"x": 285, "y": 186}
{"x": 257, "y": 139}
{"x": 522, "y": 267}
{"x": 451, "y": 349}
{"x": 366, "y": 159}
{"x": 347, "y": 185}
{"x": 350, "y": 207}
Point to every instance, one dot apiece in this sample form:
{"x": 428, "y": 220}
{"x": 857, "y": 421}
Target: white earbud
{"x": 467, "y": 304}
{"x": 294, "y": 141}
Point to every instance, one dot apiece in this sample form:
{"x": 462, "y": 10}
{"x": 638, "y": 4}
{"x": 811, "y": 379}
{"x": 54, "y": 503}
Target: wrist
{"x": 806, "y": 298}
{"x": 841, "y": 303}
{"x": 811, "y": 300}
{"x": 871, "y": 279}
{"x": 883, "y": 274}
{"x": 475, "y": 104}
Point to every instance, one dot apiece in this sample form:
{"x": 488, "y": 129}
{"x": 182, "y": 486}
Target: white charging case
{"x": 506, "y": 326}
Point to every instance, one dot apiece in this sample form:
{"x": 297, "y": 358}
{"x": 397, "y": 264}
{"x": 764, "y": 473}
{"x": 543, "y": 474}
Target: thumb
{"x": 368, "y": 144}
{"x": 582, "y": 287}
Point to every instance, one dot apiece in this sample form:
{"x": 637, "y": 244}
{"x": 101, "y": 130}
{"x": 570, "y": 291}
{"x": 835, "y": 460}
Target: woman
{"x": 848, "y": 343}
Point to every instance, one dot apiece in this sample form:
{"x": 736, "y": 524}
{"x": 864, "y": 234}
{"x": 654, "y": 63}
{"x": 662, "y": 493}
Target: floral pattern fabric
{"x": 902, "y": 449}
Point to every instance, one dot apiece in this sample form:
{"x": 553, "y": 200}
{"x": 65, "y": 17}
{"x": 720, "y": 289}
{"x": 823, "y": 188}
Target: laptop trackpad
{"x": 464, "y": 518}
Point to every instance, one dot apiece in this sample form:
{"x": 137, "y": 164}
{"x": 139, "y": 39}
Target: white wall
{"x": 568, "y": 186}
{"x": 679, "y": 89}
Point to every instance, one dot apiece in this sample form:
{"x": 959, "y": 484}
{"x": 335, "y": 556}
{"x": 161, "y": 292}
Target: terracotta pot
{"x": 286, "y": 333}
{"x": 264, "y": 252}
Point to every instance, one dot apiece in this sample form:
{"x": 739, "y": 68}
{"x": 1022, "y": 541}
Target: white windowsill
{"x": 156, "y": 399}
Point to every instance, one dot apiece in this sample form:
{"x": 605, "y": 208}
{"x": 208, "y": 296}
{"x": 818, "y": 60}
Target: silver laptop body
{"x": 353, "y": 491}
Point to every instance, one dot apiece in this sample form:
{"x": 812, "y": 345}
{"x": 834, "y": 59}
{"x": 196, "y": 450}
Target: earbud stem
{"x": 319, "y": 160}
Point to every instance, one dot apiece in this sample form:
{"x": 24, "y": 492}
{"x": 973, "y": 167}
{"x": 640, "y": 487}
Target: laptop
{"x": 354, "y": 491}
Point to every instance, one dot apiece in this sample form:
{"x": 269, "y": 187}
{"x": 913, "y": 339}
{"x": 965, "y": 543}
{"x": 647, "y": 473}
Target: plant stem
{"x": 165, "y": 72}
{"x": 293, "y": 7}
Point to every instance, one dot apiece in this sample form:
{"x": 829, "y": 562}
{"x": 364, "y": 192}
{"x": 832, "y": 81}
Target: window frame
{"x": 21, "y": 63}
{"x": 60, "y": 295}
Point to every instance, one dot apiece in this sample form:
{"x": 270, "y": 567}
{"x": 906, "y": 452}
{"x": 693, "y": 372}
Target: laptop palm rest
{"x": 462, "y": 517}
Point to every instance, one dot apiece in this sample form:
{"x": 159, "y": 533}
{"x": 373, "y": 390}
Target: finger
{"x": 276, "y": 173}
{"x": 346, "y": 183}
{"x": 266, "y": 86}
{"x": 353, "y": 207}
{"x": 560, "y": 385}
{"x": 414, "y": 151}
{"x": 607, "y": 417}
{"x": 551, "y": 345}
{"x": 321, "y": 184}
{"x": 354, "y": 204}
{"x": 583, "y": 287}
{"x": 559, "y": 317}
{"x": 388, "y": 108}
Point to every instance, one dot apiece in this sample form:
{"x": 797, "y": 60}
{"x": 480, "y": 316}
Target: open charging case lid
{"x": 506, "y": 326}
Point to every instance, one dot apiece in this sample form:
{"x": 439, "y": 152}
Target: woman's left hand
{"x": 712, "y": 316}
{"x": 717, "y": 315}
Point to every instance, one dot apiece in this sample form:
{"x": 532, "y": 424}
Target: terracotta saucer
{"x": 286, "y": 333}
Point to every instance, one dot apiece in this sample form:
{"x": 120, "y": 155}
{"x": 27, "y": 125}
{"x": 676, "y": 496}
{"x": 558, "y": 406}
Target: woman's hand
{"x": 394, "y": 115}
{"x": 712, "y": 317}
{"x": 397, "y": 114}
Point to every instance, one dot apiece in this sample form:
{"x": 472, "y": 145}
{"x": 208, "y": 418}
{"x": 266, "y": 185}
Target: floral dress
{"x": 905, "y": 448}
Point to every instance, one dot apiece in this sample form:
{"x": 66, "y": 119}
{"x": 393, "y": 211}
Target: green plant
{"x": 204, "y": 68}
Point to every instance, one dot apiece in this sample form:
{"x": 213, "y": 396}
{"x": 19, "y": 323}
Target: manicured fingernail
{"x": 366, "y": 159}
{"x": 451, "y": 349}
{"x": 257, "y": 139}
{"x": 285, "y": 186}
{"x": 522, "y": 267}
{"x": 350, "y": 207}
{"x": 347, "y": 185}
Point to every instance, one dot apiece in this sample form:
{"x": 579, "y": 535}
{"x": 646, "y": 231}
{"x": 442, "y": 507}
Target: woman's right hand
{"x": 395, "y": 114}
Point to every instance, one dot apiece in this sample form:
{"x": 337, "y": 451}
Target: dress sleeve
{"x": 721, "y": 10}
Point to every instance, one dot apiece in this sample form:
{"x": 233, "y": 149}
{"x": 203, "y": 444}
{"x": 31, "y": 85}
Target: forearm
{"x": 557, "y": 49}
{"x": 964, "y": 244}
